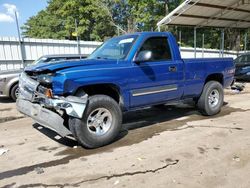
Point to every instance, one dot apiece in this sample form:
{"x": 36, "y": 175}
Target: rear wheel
{"x": 100, "y": 124}
{"x": 14, "y": 92}
{"x": 211, "y": 99}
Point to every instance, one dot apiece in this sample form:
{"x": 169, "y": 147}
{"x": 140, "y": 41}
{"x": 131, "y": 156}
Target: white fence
{"x": 31, "y": 49}
{"x": 206, "y": 53}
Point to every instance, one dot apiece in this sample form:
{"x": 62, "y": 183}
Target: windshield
{"x": 244, "y": 59}
{"x": 40, "y": 60}
{"x": 115, "y": 48}
{"x": 52, "y": 59}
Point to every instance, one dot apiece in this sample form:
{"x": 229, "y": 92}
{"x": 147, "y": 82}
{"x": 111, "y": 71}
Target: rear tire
{"x": 14, "y": 92}
{"x": 211, "y": 99}
{"x": 101, "y": 122}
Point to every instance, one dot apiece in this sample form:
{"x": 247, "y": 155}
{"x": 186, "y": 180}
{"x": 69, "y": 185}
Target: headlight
{"x": 45, "y": 78}
{"x": 45, "y": 91}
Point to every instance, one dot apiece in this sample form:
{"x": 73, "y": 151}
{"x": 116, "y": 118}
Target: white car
{"x": 9, "y": 79}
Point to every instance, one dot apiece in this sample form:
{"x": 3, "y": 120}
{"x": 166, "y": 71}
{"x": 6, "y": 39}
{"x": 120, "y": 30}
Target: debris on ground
{"x": 116, "y": 182}
{"x": 3, "y": 151}
{"x": 182, "y": 118}
{"x": 238, "y": 87}
{"x": 57, "y": 137}
{"x": 236, "y": 91}
{"x": 236, "y": 158}
{"x": 140, "y": 158}
{"x": 39, "y": 170}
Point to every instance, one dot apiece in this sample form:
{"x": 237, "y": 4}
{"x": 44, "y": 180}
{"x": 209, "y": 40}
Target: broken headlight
{"x": 45, "y": 78}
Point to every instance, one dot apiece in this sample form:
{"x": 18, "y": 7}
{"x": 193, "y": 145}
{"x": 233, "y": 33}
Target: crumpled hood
{"x": 62, "y": 65}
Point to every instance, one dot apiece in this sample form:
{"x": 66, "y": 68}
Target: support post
{"x": 159, "y": 28}
{"x": 180, "y": 38}
{"x": 195, "y": 42}
{"x": 77, "y": 38}
{"x": 203, "y": 41}
{"x": 245, "y": 42}
{"x": 222, "y": 42}
{"x": 118, "y": 31}
{"x": 19, "y": 40}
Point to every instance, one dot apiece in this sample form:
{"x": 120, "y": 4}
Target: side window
{"x": 159, "y": 47}
{"x": 56, "y": 59}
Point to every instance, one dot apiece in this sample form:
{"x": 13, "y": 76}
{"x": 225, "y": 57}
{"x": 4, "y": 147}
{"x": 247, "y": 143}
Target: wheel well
{"x": 215, "y": 77}
{"x": 15, "y": 83}
{"x": 110, "y": 90}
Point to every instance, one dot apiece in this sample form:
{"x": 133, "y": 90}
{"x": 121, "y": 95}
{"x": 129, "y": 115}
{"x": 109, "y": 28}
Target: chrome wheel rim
{"x": 17, "y": 92}
{"x": 99, "y": 121}
{"x": 213, "y": 98}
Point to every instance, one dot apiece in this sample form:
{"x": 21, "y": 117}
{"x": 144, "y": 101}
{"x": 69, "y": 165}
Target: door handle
{"x": 172, "y": 68}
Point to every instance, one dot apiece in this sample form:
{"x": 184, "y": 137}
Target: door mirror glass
{"x": 143, "y": 56}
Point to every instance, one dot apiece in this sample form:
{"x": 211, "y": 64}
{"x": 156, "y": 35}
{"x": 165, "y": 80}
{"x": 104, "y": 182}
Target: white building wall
{"x": 32, "y": 49}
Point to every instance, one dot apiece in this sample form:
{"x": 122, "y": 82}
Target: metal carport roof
{"x": 210, "y": 13}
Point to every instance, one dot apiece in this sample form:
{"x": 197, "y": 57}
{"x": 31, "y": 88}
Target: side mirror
{"x": 143, "y": 56}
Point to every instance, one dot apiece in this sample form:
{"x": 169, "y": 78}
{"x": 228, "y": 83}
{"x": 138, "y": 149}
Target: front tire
{"x": 211, "y": 99}
{"x": 101, "y": 122}
{"x": 14, "y": 92}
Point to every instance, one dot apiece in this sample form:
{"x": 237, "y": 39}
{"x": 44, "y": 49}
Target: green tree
{"x": 58, "y": 21}
{"x": 96, "y": 19}
{"x": 139, "y": 15}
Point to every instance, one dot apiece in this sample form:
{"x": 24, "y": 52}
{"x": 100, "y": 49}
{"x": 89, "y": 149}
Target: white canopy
{"x": 210, "y": 13}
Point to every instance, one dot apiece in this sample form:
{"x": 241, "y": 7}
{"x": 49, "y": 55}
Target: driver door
{"x": 156, "y": 80}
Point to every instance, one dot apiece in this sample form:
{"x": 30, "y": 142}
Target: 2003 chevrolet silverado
{"x": 86, "y": 98}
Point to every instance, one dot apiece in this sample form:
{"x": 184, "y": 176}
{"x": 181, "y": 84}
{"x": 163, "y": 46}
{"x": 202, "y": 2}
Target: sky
{"x": 24, "y": 9}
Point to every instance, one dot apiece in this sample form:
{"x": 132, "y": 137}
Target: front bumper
{"x": 48, "y": 112}
{"x": 43, "y": 116}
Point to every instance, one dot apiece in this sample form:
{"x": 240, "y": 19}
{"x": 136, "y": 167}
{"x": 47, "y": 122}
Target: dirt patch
{"x": 11, "y": 118}
{"x": 5, "y": 109}
{"x": 49, "y": 149}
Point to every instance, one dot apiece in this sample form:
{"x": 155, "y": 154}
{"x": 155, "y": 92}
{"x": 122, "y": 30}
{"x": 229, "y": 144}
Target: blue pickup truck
{"x": 87, "y": 98}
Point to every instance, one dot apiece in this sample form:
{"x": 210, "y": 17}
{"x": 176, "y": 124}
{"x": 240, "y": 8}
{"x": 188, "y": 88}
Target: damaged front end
{"x": 37, "y": 101}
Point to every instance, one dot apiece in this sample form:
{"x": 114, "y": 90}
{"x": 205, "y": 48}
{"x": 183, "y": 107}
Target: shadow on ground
{"x": 132, "y": 121}
{"x": 6, "y": 100}
{"x": 139, "y": 126}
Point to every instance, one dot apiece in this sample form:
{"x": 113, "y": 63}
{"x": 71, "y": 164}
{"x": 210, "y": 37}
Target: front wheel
{"x": 100, "y": 124}
{"x": 14, "y": 92}
{"x": 211, "y": 99}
